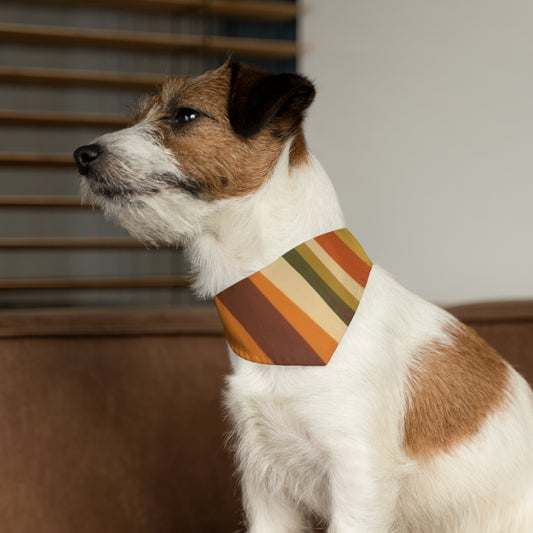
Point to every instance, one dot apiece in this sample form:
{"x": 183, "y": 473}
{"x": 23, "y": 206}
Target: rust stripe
{"x": 345, "y": 257}
{"x": 287, "y": 347}
{"x": 353, "y": 244}
{"x": 354, "y": 289}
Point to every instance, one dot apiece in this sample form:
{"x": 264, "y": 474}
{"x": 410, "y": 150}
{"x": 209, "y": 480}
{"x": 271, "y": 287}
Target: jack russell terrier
{"x": 352, "y": 400}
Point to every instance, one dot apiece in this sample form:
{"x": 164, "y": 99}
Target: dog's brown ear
{"x": 258, "y": 99}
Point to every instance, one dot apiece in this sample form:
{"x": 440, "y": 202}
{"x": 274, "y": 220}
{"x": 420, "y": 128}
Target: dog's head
{"x": 196, "y": 142}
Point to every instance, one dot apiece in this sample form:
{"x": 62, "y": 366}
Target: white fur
{"x": 328, "y": 440}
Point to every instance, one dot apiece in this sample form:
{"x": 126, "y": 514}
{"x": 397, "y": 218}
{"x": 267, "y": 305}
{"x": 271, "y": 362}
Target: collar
{"x": 296, "y": 310}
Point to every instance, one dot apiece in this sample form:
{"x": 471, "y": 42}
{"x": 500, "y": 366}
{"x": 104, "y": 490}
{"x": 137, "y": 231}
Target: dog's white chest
{"x": 276, "y": 435}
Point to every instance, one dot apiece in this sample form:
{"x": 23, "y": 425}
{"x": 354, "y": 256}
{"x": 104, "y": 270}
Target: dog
{"x": 412, "y": 423}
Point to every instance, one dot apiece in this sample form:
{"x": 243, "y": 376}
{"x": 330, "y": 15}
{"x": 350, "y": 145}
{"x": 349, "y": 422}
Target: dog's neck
{"x": 297, "y": 203}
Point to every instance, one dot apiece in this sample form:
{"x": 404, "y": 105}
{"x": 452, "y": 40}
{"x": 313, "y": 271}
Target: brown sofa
{"x": 110, "y": 420}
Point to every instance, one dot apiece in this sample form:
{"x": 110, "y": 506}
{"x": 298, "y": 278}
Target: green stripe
{"x": 319, "y": 285}
{"x": 329, "y": 278}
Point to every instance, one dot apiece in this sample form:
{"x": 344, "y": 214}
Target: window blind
{"x": 71, "y": 70}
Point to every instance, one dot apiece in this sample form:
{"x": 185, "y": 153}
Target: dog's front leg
{"x": 363, "y": 495}
{"x": 270, "y": 512}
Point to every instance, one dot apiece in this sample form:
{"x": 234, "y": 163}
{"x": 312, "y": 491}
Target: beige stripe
{"x": 294, "y": 286}
{"x": 353, "y": 287}
{"x": 327, "y": 277}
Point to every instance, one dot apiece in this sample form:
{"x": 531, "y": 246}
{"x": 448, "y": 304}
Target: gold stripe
{"x": 349, "y": 283}
{"x": 327, "y": 276}
{"x": 295, "y": 287}
{"x": 353, "y": 244}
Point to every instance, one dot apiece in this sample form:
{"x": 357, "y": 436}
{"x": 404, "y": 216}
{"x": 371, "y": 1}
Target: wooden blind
{"x": 68, "y": 71}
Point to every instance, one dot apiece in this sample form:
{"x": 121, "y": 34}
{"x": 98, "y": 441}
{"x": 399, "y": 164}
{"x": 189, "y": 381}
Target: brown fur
{"x": 452, "y": 390}
{"x": 209, "y": 152}
{"x": 299, "y": 153}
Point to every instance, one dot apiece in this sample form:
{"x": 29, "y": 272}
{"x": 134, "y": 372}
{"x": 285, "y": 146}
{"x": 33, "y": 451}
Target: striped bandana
{"x": 296, "y": 310}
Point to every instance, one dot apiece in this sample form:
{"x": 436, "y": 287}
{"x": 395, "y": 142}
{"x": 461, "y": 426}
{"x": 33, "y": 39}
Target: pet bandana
{"x": 296, "y": 310}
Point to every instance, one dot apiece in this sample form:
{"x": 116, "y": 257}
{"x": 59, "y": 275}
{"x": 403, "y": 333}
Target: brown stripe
{"x": 321, "y": 342}
{"x": 272, "y": 333}
{"x": 238, "y": 337}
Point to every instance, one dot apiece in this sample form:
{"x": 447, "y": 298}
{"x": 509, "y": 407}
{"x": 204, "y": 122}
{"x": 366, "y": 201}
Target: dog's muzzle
{"x": 85, "y": 156}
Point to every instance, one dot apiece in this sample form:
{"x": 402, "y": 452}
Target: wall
{"x": 424, "y": 121}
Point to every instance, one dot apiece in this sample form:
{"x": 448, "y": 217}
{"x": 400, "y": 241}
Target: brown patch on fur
{"x": 451, "y": 391}
{"x": 222, "y": 163}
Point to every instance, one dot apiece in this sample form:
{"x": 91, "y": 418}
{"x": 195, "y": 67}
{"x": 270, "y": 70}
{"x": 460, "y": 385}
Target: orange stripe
{"x": 238, "y": 337}
{"x": 350, "y": 262}
{"x": 319, "y": 340}
{"x": 353, "y": 244}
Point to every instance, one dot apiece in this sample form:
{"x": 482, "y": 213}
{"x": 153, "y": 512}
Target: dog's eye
{"x": 184, "y": 115}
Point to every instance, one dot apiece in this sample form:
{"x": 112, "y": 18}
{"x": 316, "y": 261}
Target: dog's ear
{"x": 258, "y": 99}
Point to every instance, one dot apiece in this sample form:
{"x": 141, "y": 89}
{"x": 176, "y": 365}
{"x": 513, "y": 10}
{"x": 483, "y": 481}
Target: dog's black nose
{"x": 85, "y": 155}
